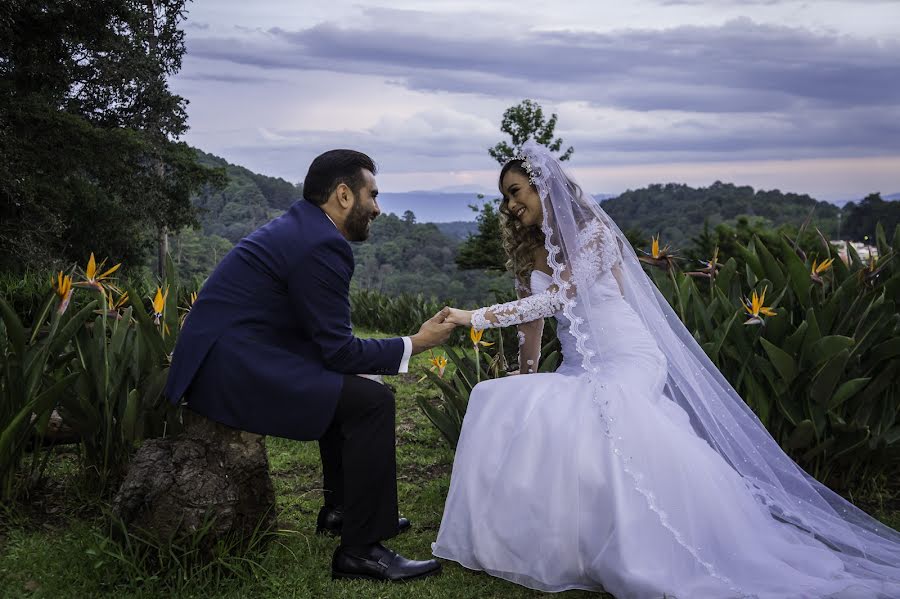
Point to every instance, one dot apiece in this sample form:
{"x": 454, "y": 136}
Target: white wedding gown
{"x": 543, "y": 495}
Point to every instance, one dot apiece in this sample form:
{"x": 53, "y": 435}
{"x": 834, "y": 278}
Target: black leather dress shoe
{"x": 331, "y": 521}
{"x": 377, "y": 562}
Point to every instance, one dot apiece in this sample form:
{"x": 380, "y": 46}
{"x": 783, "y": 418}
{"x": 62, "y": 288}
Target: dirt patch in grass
{"x": 422, "y": 472}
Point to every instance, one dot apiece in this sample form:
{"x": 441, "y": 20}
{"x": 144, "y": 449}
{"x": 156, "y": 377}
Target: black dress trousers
{"x": 359, "y": 461}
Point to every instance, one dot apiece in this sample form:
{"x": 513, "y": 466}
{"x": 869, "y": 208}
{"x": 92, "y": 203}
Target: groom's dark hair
{"x": 331, "y": 169}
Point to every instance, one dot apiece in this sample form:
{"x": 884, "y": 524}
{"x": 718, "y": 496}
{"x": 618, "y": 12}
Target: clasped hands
{"x": 437, "y": 329}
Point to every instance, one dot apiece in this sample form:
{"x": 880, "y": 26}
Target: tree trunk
{"x": 209, "y": 476}
{"x": 162, "y": 234}
{"x": 162, "y": 249}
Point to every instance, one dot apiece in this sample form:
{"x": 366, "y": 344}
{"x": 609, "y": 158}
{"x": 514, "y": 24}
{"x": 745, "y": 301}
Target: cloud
{"x": 741, "y": 66}
{"x": 227, "y": 78}
{"x": 423, "y": 92}
{"x": 407, "y": 143}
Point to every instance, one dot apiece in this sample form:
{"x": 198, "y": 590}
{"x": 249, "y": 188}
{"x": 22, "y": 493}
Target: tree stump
{"x": 209, "y": 479}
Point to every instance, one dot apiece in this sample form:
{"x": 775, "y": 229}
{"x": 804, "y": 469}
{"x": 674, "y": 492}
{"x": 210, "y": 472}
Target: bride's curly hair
{"x": 519, "y": 241}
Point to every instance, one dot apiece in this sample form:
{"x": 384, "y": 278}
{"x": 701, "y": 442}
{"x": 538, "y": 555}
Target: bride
{"x": 635, "y": 468}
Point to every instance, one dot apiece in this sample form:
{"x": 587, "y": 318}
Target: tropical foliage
{"x": 811, "y": 343}
{"x": 102, "y": 366}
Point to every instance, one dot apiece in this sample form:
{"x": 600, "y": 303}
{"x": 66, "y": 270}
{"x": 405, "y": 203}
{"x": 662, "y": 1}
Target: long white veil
{"x": 869, "y": 550}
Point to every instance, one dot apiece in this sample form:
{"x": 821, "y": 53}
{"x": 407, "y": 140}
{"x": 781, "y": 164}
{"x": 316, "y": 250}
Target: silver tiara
{"x": 526, "y": 164}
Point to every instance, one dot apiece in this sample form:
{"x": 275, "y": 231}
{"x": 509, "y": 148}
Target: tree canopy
{"x": 525, "y": 121}
{"x": 89, "y": 157}
{"x": 859, "y": 220}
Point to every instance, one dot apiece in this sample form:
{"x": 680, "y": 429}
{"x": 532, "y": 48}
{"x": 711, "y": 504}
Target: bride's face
{"x": 522, "y": 200}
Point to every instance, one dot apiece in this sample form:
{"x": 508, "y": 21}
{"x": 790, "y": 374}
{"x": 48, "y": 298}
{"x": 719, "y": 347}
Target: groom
{"x": 268, "y": 348}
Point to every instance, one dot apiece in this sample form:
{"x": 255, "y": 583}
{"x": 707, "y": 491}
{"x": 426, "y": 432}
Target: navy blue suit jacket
{"x": 268, "y": 341}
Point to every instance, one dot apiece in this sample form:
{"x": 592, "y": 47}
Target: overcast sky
{"x": 799, "y": 96}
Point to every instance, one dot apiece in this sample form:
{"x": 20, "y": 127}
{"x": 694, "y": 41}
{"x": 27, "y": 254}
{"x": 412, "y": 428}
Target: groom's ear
{"x": 345, "y": 196}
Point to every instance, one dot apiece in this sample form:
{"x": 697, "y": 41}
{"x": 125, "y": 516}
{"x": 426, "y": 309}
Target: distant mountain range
{"x": 432, "y": 206}
{"x": 677, "y": 211}
{"x": 440, "y": 206}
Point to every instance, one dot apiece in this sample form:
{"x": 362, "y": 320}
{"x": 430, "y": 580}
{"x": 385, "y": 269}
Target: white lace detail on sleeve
{"x": 598, "y": 251}
{"x": 541, "y": 305}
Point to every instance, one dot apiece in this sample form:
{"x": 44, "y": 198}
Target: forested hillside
{"x": 247, "y": 201}
{"x": 677, "y": 212}
{"x": 401, "y": 256}
{"x": 228, "y": 213}
{"x": 407, "y": 256}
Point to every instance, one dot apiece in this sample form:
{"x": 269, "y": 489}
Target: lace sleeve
{"x": 598, "y": 252}
{"x": 527, "y": 309}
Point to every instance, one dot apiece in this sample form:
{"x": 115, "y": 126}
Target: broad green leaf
{"x": 846, "y": 391}
{"x": 782, "y": 361}
{"x": 790, "y": 408}
{"x": 726, "y": 275}
{"x": 41, "y": 317}
{"x": 448, "y": 391}
{"x": 465, "y": 367}
{"x": 885, "y": 351}
{"x": 799, "y": 274}
{"x": 444, "y": 423}
{"x": 772, "y": 268}
{"x": 14, "y": 329}
{"x": 827, "y": 347}
{"x": 855, "y": 261}
{"x": 153, "y": 388}
{"x": 794, "y": 341}
{"x": 73, "y": 324}
{"x": 550, "y": 363}
{"x": 150, "y": 334}
{"x": 721, "y": 336}
{"x": 751, "y": 259}
{"x": 827, "y": 378}
{"x": 881, "y": 240}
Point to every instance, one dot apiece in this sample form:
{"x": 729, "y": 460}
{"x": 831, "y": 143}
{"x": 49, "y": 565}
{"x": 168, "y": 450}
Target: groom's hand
{"x": 433, "y": 332}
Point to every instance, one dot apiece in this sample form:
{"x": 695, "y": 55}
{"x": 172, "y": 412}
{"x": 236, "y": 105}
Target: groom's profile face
{"x": 364, "y": 210}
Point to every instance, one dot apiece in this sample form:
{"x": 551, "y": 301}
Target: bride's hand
{"x": 459, "y": 317}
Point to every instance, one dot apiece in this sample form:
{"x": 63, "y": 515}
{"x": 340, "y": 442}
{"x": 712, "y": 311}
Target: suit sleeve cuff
{"x": 407, "y": 354}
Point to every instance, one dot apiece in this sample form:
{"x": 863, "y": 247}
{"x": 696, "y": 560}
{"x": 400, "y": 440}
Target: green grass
{"x": 48, "y": 546}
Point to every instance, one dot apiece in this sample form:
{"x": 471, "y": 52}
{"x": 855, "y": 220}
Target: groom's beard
{"x": 357, "y": 223}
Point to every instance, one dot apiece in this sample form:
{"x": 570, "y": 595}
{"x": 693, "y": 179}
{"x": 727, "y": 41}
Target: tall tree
{"x": 89, "y": 129}
{"x": 484, "y": 250}
{"x": 525, "y": 121}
